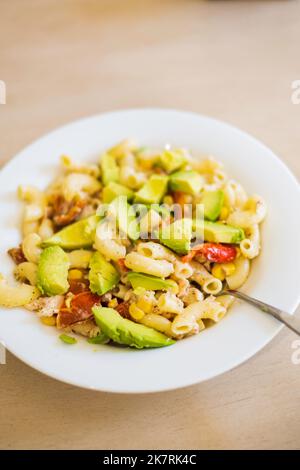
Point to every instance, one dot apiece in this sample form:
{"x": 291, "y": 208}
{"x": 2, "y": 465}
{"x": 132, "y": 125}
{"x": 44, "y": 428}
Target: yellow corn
{"x": 49, "y": 321}
{"x": 224, "y": 213}
{"x": 135, "y": 312}
{"x": 218, "y": 272}
{"x": 75, "y": 274}
{"x": 228, "y": 268}
{"x": 112, "y": 303}
{"x": 168, "y": 200}
{"x": 145, "y": 304}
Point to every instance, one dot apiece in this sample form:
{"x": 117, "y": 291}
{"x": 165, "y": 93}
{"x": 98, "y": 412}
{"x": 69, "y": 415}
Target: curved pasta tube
{"x": 144, "y": 264}
{"x": 254, "y": 213}
{"x": 250, "y": 246}
{"x": 182, "y": 270}
{"x": 168, "y": 302}
{"x": 210, "y": 284}
{"x": 239, "y": 277}
{"x": 225, "y": 300}
{"x": 111, "y": 249}
{"x": 258, "y": 206}
{"x": 35, "y": 201}
{"x": 212, "y": 309}
{"x": 18, "y": 295}
{"x": 29, "y": 227}
{"x": 234, "y": 195}
{"x": 46, "y": 229}
{"x": 155, "y": 251}
{"x": 76, "y": 184}
{"x": 79, "y": 259}
{"x": 26, "y": 271}
{"x": 31, "y": 247}
{"x": 186, "y": 323}
{"x": 158, "y": 322}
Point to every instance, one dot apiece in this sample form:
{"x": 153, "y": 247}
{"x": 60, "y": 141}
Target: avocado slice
{"x": 213, "y": 203}
{"x": 124, "y": 331}
{"x": 52, "y": 273}
{"x": 125, "y": 216}
{"x": 177, "y": 235}
{"x": 153, "y": 191}
{"x": 109, "y": 169}
{"x": 81, "y": 234}
{"x": 103, "y": 276}
{"x": 150, "y": 282}
{"x": 218, "y": 232}
{"x": 189, "y": 182}
{"x": 172, "y": 160}
{"x": 113, "y": 190}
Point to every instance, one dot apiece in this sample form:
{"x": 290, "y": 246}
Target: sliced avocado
{"x": 109, "y": 169}
{"x": 52, "y": 273}
{"x": 189, "y": 182}
{"x": 81, "y": 234}
{"x": 172, "y": 160}
{"x": 153, "y": 191}
{"x": 127, "y": 332}
{"x": 113, "y": 190}
{"x": 177, "y": 235}
{"x": 125, "y": 216}
{"x": 150, "y": 282}
{"x": 218, "y": 232}
{"x": 102, "y": 276}
{"x": 213, "y": 203}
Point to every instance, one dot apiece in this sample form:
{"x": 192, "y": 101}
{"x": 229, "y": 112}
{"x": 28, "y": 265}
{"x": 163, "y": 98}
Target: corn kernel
{"x": 168, "y": 200}
{"x": 145, "y": 305}
{"x": 135, "y": 312}
{"x": 228, "y": 268}
{"x": 218, "y": 272}
{"x": 75, "y": 274}
{"x": 113, "y": 303}
{"x": 224, "y": 213}
{"x": 49, "y": 321}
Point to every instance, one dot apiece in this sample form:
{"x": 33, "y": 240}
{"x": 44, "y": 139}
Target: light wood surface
{"x": 64, "y": 59}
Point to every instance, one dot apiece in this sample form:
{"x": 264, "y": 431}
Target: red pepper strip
{"x": 214, "y": 252}
{"x": 121, "y": 264}
{"x": 80, "y": 309}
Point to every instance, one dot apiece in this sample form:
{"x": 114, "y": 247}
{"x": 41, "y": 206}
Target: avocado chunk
{"x": 124, "y": 331}
{"x": 150, "y": 282}
{"x": 172, "y": 160}
{"x": 109, "y": 169}
{"x": 217, "y": 232}
{"x": 81, "y": 234}
{"x": 189, "y": 182}
{"x": 52, "y": 273}
{"x": 177, "y": 236}
{"x": 153, "y": 191}
{"x": 113, "y": 190}
{"x": 125, "y": 217}
{"x": 102, "y": 276}
{"x": 213, "y": 203}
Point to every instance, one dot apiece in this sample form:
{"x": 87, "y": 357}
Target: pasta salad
{"x": 135, "y": 249}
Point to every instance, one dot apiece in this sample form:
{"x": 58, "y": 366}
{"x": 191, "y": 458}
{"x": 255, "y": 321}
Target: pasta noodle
{"x": 144, "y": 264}
{"x": 209, "y": 283}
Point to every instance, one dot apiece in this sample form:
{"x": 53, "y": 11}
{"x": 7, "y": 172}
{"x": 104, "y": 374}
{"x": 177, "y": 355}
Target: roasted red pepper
{"x": 214, "y": 252}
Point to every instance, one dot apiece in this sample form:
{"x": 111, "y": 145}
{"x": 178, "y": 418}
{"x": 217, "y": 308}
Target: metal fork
{"x": 290, "y": 321}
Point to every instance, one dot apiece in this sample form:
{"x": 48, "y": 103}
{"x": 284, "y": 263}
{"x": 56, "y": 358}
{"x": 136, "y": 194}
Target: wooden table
{"x": 64, "y": 59}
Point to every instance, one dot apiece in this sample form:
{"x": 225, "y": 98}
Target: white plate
{"x": 274, "y": 277}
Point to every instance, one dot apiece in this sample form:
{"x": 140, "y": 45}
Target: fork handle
{"x": 290, "y": 321}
